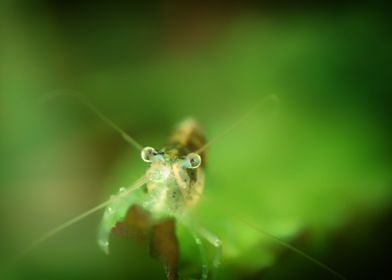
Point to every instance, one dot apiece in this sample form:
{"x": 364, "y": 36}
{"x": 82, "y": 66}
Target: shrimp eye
{"x": 148, "y": 153}
{"x": 192, "y": 160}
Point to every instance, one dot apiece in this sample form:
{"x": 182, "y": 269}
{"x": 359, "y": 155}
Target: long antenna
{"x": 138, "y": 183}
{"x": 294, "y": 249}
{"x": 98, "y": 112}
{"x": 272, "y": 98}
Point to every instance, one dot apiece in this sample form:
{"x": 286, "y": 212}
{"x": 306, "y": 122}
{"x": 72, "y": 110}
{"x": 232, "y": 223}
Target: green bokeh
{"x": 308, "y": 170}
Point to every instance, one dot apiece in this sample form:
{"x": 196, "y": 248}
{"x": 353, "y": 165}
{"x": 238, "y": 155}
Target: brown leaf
{"x": 165, "y": 247}
{"x": 136, "y": 225}
{"x": 160, "y": 236}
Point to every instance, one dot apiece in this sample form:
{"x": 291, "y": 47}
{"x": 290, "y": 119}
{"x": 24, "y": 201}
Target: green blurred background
{"x": 314, "y": 171}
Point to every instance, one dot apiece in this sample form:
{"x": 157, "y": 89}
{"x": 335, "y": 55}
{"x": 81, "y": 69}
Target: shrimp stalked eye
{"x": 192, "y": 161}
{"x": 148, "y": 153}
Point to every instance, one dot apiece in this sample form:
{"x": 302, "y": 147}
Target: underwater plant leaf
{"x": 136, "y": 224}
{"x": 159, "y": 236}
{"x": 165, "y": 246}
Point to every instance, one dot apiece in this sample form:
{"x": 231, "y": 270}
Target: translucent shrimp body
{"x": 172, "y": 187}
{"x": 174, "y": 183}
